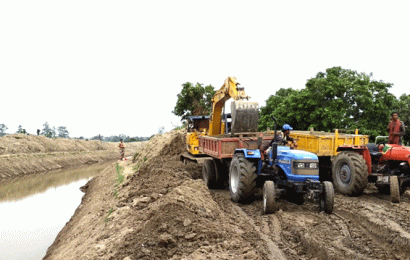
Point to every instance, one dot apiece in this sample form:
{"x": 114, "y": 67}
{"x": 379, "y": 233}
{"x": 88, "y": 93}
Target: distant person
{"x": 122, "y": 150}
{"x": 38, "y": 131}
{"x": 396, "y": 129}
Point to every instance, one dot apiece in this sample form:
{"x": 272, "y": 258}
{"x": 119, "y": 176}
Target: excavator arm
{"x": 242, "y": 110}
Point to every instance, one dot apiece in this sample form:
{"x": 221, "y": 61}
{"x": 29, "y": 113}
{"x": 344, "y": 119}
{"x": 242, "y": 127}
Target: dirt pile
{"x": 26, "y": 154}
{"x": 160, "y": 211}
{"x": 22, "y": 144}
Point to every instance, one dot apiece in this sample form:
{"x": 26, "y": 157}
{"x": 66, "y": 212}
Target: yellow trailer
{"x": 344, "y": 158}
{"x": 326, "y": 144}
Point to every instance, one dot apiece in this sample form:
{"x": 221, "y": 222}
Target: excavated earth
{"x": 161, "y": 209}
{"x": 28, "y": 154}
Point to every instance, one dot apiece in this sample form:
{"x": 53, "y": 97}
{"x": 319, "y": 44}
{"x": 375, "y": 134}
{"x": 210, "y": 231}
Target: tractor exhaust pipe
{"x": 274, "y": 143}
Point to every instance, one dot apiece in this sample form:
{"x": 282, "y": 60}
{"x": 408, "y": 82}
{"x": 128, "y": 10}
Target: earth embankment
{"x": 26, "y": 154}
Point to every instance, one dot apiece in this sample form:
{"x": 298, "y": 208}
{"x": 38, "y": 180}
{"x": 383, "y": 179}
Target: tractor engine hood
{"x": 285, "y": 152}
{"x": 396, "y": 153}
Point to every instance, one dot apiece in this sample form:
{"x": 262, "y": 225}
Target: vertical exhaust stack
{"x": 245, "y": 116}
{"x": 274, "y": 143}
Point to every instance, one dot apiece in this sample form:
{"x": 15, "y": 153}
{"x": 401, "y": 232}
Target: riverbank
{"x": 27, "y": 154}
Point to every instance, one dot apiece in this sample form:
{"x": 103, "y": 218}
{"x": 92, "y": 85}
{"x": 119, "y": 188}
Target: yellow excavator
{"x": 244, "y": 117}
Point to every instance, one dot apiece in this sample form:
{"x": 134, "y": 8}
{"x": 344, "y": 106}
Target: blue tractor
{"x": 282, "y": 171}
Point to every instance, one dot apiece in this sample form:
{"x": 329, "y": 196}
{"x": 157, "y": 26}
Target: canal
{"x": 34, "y": 208}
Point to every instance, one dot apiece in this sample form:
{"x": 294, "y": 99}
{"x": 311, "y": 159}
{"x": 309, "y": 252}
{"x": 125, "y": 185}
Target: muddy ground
{"x": 161, "y": 209}
{"x": 28, "y": 154}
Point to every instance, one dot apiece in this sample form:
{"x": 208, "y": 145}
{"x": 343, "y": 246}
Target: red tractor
{"x": 387, "y": 165}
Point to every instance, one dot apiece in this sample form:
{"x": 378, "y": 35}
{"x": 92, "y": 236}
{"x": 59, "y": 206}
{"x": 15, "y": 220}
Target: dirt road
{"x": 163, "y": 210}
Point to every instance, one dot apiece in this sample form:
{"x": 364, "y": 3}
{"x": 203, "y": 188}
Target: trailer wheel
{"x": 394, "y": 189}
{"x": 327, "y": 198}
{"x": 242, "y": 178}
{"x": 350, "y": 173}
{"x": 269, "y": 197}
{"x": 209, "y": 174}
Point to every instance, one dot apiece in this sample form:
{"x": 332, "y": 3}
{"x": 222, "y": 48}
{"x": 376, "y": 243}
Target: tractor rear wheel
{"x": 209, "y": 174}
{"x": 327, "y": 198}
{"x": 242, "y": 178}
{"x": 394, "y": 189}
{"x": 269, "y": 197}
{"x": 350, "y": 173}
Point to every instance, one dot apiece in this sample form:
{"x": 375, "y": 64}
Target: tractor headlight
{"x": 299, "y": 165}
{"x": 313, "y": 165}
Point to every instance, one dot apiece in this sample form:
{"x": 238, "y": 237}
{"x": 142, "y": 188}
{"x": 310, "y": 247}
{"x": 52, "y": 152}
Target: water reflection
{"x": 33, "y": 209}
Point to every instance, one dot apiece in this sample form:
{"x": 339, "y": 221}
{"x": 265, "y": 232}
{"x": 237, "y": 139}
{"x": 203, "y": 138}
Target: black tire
{"x": 385, "y": 189}
{"x": 349, "y": 173}
{"x": 222, "y": 173}
{"x": 269, "y": 197}
{"x": 209, "y": 174}
{"x": 242, "y": 178}
{"x": 327, "y": 198}
{"x": 394, "y": 189}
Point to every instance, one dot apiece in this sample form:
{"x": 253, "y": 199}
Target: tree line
{"x": 62, "y": 132}
{"x": 47, "y": 131}
{"x": 335, "y": 99}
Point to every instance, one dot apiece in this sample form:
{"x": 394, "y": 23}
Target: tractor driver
{"x": 283, "y": 137}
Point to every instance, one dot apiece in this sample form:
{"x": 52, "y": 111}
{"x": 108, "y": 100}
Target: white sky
{"x": 116, "y": 67}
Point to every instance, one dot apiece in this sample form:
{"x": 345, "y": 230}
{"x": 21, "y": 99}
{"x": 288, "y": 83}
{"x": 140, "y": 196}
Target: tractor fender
{"x": 249, "y": 153}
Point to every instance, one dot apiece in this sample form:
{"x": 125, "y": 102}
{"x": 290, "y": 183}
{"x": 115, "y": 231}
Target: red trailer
{"x": 216, "y": 153}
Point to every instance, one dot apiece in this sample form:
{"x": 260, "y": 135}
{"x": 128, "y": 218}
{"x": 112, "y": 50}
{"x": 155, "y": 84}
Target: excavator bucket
{"x": 245, "y": 117}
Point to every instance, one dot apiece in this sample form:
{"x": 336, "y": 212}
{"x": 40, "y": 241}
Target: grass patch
{"x": 109, "y": 213}
{"x": 145, "y": 159}
{"x": 120, "y": 177}
{"x": 136, "y": 168}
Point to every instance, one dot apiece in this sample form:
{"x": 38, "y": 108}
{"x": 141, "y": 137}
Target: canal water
{"x": 34, "y": 208}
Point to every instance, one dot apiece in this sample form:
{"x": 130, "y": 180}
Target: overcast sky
{"x": 116, "y": 67}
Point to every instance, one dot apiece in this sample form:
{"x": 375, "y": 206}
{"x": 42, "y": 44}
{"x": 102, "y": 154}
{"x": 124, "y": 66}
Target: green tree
{"x": 63, "y": 132}
{"x": 21, "y": 130}
{"x": 194, "y": 100}
{"x": 274, "y": 101}
{"x": 47, "y": 131}
{"x": 3, "y": 129}
{"x": 338, "y": 99}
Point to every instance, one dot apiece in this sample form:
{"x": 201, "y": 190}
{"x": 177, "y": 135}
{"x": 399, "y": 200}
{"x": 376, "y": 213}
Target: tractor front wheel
{"x": 350, "y": 173}
{"x": 394, "y": 189}
{"x": 242, "y": 178}
{"x": 269, "y": 197}
{"x": 327, "y": 198}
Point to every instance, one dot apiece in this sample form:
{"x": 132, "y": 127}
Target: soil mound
{"x": 160, "y": 211}
{"x": 20, "y": 143}
{"x": 26, "y": 154}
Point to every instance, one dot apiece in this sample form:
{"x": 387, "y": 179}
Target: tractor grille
{"x": 305, "y": 167}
